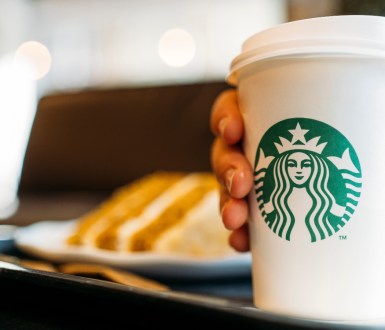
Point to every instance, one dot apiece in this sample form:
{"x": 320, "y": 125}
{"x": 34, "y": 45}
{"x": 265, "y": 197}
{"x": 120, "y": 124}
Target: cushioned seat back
{"x": 103, "y": 138}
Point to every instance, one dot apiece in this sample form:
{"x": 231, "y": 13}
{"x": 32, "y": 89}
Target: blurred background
{"x": 56, "y": 51}
{"x": 120, "y": 42}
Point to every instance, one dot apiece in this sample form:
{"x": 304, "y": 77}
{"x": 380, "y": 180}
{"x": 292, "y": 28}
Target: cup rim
{"x": 340, "y": 35}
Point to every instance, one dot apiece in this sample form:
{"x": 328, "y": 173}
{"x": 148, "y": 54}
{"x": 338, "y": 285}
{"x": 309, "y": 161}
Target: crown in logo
{"x": 298, "y": 142}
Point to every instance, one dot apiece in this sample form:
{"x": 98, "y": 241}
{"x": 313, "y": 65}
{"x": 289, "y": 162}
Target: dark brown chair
{"x": 93, "y": 141}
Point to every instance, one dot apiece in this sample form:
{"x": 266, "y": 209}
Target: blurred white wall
{"x": 16, "y": 20}
{"x": 109, "y": 43}
{"x": 17, "y": 100}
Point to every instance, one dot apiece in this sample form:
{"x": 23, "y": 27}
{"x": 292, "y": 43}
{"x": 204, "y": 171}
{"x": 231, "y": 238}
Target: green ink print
{"x": 307, "y": 174}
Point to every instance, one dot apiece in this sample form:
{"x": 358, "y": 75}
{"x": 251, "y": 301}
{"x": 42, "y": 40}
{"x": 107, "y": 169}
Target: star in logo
{"x": 298, "y": 134}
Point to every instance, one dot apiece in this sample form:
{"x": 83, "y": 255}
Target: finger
{"x": 239, "y": 239}
{"x": 226, "y": 120}
{"x": 234, "y": 213}
{"x": 232, "y": 169}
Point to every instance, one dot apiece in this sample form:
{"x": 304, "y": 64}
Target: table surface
{"x": 38, "y": 299}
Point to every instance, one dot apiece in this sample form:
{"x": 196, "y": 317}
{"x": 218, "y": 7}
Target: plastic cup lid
{"x": 343, "y": 35}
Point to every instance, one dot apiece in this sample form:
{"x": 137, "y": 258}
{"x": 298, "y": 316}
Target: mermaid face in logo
{"x": 299, "y": 183}
{"x": 299, "y": 166}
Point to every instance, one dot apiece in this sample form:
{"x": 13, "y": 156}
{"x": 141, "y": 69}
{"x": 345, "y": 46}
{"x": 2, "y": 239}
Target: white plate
{"x": 46, "y": 240}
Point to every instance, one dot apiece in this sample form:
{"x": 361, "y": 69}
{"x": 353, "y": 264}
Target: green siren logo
{"x": 307, "y": 179}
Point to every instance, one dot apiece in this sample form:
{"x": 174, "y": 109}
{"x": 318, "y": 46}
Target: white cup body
{"x": 339, "y": 274}
{"x": 342, "y": 275}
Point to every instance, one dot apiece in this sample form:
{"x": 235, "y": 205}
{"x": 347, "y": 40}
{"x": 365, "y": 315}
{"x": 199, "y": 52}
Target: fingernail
{"x": 222, "y": 210}
{"x": 229, "y": 179}
{"x": 222, "y": 126}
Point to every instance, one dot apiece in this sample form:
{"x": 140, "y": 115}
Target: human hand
{"x": 231, "y": 167}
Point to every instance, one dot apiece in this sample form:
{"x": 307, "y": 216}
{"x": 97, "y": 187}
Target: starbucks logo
{"x": 307, "y": 179}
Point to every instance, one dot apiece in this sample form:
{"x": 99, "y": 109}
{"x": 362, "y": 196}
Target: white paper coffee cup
{"x": 312, "y": 96}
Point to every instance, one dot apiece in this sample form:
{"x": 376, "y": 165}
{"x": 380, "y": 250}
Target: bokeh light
{"x": 177, "y": 47}
{"x": 34, "y": 58}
